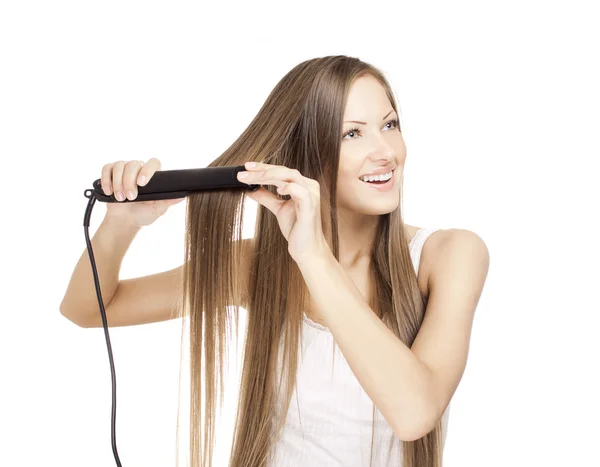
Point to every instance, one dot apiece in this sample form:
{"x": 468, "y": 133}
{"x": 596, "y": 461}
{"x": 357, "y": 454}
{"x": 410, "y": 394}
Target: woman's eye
{"x": 353, "y": 130}
{"x": 394, "y": 122}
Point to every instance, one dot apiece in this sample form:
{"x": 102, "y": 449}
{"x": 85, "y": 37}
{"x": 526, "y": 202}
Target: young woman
{"x": 358, "y": 325}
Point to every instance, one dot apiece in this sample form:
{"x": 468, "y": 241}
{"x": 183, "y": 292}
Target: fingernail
{"x": 251, "y": 165}
{"x": 130, "y": 195}
{"x": 119, "y": 196}
{"x": 141, "y": 180}
{"x": 242, "y": 174}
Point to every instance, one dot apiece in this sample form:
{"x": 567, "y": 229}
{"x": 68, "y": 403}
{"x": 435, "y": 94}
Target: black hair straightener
{"x": 172, "y": 184}
{"x": 165, "y": 184}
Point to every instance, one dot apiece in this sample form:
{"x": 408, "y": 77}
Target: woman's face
{"x": 374, "y": 143}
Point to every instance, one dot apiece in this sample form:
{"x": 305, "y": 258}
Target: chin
{"x": 383, "y": 211}
{"x": 378, "y": 209}
{"x": 370, "y": 204}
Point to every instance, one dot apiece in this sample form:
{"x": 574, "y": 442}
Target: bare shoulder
{"x": 442, "y": 243}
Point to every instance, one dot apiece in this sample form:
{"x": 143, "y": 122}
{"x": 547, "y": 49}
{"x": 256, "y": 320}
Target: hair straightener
{"x": 172, "y": 184}
{"x": 165, "y": 184}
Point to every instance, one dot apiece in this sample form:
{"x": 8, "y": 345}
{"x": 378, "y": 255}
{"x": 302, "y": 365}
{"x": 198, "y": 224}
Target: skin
{"x": 376, "y": 144}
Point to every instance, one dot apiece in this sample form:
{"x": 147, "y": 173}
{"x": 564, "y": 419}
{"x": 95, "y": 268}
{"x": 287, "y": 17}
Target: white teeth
{"x": 372, "y": 178}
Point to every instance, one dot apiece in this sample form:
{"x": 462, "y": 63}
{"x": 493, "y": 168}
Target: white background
{"x": 499, "y": 107}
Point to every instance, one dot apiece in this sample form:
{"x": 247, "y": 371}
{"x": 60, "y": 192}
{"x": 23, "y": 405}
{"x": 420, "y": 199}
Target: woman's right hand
{"x": 123, "y": 178}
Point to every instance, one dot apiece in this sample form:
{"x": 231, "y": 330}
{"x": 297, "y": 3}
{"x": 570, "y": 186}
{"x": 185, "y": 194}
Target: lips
{"x": 382, "y": 187}
{"x": 393, "y": 170}
{"x": 378, "y": 172}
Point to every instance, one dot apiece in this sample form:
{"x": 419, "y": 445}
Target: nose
{"x": 380, "y": 145}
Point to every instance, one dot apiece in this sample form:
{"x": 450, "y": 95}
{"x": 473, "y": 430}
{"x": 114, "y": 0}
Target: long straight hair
{"x": 299, "y": 127}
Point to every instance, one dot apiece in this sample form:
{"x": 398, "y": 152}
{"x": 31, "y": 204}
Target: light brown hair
{"x": 300, "y": 127}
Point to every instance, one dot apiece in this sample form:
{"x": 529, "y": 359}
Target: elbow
{"x": 70, "y": 317}
{"x": 412, "y": 435}
{"x": 417, "y": 427}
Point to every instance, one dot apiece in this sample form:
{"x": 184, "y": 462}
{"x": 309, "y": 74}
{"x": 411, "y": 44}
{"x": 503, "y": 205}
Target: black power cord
{"x": 86, "y": 224}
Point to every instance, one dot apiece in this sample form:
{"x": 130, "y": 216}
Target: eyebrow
{"x": 363, "y": 123}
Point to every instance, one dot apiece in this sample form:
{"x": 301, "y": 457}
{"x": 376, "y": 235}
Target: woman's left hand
{"x": 299, "y": 218}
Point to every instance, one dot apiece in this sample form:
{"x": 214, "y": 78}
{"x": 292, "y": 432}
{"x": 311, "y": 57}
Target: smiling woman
{"x": 364, "y": 392}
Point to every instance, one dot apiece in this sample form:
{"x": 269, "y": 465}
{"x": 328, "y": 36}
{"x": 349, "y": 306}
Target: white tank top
{"x": 330, "y": 417}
